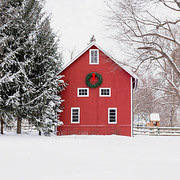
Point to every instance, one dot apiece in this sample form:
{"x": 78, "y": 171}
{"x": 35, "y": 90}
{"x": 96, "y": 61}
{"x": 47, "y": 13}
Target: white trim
{"x": 108, "y": 115}
{"x": 131, "y": 106}
{"x": 104, "y": 95}
{"x": 94, "y": 44}
{"x": 82, "y": 95}
{"x": 78, "y": 115}
{"x": 97, "y": 56}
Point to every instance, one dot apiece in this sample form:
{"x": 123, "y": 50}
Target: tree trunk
{"x": 19, "y": 126}
{"x": 2, "y": 126}
{"x": 39, "y": 133}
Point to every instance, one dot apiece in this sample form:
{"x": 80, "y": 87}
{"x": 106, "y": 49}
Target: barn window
{"x": 112, "y": 115}
{"x": 104, "y": 92}
{"x": 83, "y": 92}
{"x": 75, "y": 115}
{"x": 94, "y": 56}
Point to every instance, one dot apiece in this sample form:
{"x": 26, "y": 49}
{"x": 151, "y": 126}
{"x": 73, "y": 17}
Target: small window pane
{"x": 83, "y": 92}
{"x": 75, "y": 113}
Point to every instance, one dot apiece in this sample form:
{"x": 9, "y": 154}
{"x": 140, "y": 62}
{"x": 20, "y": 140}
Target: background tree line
{"x": 150, "y": 30}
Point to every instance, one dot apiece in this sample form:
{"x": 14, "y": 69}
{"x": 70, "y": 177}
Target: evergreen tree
{"x": 11, "y": 63}
{"x": 44, "y": 99}
{"x": 29, "y": 65}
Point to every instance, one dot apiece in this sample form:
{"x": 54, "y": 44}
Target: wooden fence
{"x": 25, "y": 128}
{"x": 157, "y": 131}
{"x": 137, "y": 130}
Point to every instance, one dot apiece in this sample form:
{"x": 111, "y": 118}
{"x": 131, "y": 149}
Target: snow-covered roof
{"x": 154, "y": 117}
{"x": 94, "y": 44}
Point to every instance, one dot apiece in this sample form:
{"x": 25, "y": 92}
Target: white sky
{"x": 77, "y": 21}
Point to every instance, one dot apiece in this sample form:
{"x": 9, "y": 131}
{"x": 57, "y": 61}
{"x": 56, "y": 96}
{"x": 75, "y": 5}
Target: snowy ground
{"x": 30, "y": 157}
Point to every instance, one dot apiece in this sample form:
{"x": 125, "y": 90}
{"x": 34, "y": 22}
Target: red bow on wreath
{"x": 93, "y": 76}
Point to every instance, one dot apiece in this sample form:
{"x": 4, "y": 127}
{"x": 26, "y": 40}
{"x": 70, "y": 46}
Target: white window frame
{"x": 82, "y": 95}
{"x": 105, "y": 95}
{"x": 78, "y": 115}
{"x": 97, "y": 56}
{"x": 109, "y": 116}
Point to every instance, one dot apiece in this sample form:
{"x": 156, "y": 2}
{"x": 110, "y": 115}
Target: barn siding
{"x": 94, "y": 109}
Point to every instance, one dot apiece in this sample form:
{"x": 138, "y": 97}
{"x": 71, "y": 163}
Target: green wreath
{"x": 89, "y": 84}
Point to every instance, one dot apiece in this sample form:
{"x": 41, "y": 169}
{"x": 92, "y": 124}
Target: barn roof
{"x": 113, "y": 59}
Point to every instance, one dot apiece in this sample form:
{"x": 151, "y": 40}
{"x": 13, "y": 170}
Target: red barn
{"x": 98, "y": 98}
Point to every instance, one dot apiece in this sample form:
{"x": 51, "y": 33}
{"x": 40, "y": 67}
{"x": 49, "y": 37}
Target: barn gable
{"x": 135, "y": 78}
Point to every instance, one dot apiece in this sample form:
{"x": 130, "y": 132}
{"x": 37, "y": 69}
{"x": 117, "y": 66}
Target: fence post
{"x": 158, "y": 131}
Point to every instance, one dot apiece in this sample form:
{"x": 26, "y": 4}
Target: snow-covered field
{"x": 30, "y": 157}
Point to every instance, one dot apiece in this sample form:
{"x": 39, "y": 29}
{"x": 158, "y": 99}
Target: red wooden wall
{"x": 94, "y": 109}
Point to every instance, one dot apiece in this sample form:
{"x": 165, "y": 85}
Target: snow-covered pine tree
{"x": 3, "y": 23}
{"x": 12, "y": 77}
{"x": 24, "y": 71}
{"x": 44, "y": 99}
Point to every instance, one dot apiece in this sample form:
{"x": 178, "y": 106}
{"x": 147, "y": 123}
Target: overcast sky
{"x": 77, "y": 21}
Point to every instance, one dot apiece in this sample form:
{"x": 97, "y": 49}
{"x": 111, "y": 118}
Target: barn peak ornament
{"x": 93, "y": 75}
